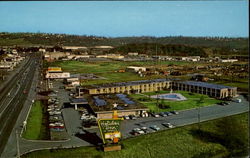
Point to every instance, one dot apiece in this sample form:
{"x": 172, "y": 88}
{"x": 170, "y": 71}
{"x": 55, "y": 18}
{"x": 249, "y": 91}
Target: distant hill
{"x": 215, "y": 45}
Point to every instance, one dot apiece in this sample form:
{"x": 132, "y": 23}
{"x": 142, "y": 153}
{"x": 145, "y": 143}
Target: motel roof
{"x": 78, "y": 101}
{"x": 205, "y": 84}
{"x": 105, "y": 102}
{"x": 131, "y": 83}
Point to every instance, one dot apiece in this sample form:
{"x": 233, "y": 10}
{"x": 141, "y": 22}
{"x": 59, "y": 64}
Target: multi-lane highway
{"x": 13, "y": 96}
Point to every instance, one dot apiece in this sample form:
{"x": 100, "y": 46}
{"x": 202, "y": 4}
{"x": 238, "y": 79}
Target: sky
{"x": 127, "y": 18}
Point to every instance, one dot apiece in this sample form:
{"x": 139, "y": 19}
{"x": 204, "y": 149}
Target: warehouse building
{"x": 213, "y": 90}
{"x": 127, "y": 87}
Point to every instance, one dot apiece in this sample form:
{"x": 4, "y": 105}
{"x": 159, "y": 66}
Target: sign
{"x": 110, "y": 129}
{"x": 54, "y": 69}
{"x": 55, "y": 75}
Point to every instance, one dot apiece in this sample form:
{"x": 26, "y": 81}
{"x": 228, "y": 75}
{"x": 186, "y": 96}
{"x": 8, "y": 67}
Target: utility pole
{"x": 17, "y": 145}
{"x": 200, "y": 101}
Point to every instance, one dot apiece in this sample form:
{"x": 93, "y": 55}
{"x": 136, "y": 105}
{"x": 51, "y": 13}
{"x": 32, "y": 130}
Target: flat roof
{"x": 205, "y": 84}
{"x": 78, "y": 101}
{"x": 130, "y": 83}
{"x": 105, "y": 102}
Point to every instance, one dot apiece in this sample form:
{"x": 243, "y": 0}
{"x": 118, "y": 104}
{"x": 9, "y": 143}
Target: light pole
{"x": 17, "y": 145}
{"x": 200, "y": 101}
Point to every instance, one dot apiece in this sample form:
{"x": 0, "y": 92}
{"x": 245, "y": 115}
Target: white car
{"x": 168, "y": 125}
{"x": 57, "y": 112}
{"x": 144, "y": 129}
{"x": 155, "y": 115}
{"x": 126, "y": 117}
{"x": 138, "y": 131}
{"x": 156, "y": 128}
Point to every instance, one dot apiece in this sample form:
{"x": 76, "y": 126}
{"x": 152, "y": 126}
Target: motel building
{"x": 212, "y": 90}
{"x": 127, "y": 87}
{"x": 104, "y": 105}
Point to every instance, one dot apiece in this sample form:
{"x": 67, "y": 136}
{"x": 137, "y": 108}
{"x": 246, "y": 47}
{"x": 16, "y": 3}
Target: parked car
{"x": 174, "y": 112}
{"x": 155, "y": 114}
{"x": 168, "y": 113}
{"x": 138, "y": 130}
{"x": 163, "y": 114}
{"x": 168, "y": 125}
{"x": 126, "y": 117}
{"x": 132, "y": 117}
{"x": 145, "y": 129}
{"x": 154, "y": 127}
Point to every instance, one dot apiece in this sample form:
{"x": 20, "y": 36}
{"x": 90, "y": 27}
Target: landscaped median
{"x": 185, "y": 141}
{"x": 191, "y": 102}
{"x": 36, "y": 123}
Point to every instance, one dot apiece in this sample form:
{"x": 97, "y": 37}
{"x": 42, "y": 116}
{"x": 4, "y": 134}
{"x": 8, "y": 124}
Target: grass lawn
{"x": 191, "y": 101}
{"x": 36, "y": 128}
{"x": 174, "y": 143}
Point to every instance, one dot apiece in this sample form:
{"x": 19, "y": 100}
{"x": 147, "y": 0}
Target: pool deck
{"x": 178, "y": 97}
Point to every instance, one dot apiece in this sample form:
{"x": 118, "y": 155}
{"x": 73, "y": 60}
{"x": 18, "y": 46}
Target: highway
{"x": 12, "y": 98}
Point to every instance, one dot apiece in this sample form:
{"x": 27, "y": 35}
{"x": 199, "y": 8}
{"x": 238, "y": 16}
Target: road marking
{"x": 10, "y": 100}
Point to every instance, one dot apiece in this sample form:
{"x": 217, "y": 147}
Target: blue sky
{"x": 131, "y": 18}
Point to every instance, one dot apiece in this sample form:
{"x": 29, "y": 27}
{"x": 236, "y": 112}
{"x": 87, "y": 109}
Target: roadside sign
{"x": 110, "y": 129}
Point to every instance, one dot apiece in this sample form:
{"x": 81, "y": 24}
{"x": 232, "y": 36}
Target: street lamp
{"x": 17, "y": 145}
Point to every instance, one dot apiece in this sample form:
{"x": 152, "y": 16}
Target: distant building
{"x": 56, "y": 73}
{"x": 136, "y": 69}
{"x": 73, "y": 47}
{"x": 51, "y": 56}
{"x": 132, "y": 53}
{"x": 111, "y": 56}
{"x": 42, "y": 50}
{"x": 191, "y": 58}
{"x": 228, "y": 60}
{"x": 103, "y": 47}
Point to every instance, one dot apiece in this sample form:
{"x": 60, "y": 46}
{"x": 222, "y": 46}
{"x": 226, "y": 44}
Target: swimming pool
{"x": 170, "y": 96}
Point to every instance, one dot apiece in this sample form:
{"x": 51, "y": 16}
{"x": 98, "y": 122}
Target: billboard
{"x": 110, "y": 129}
{"x": 58, "y": 75}
{"x": 54, "y": 69}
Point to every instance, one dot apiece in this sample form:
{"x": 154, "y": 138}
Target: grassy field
{"x": 175, "y": 143}
{"x": 36, "y": 128}
{"x": 191, "y": 102}
{"x": 99, "y": 67}
{"x": 108, "y": 70}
